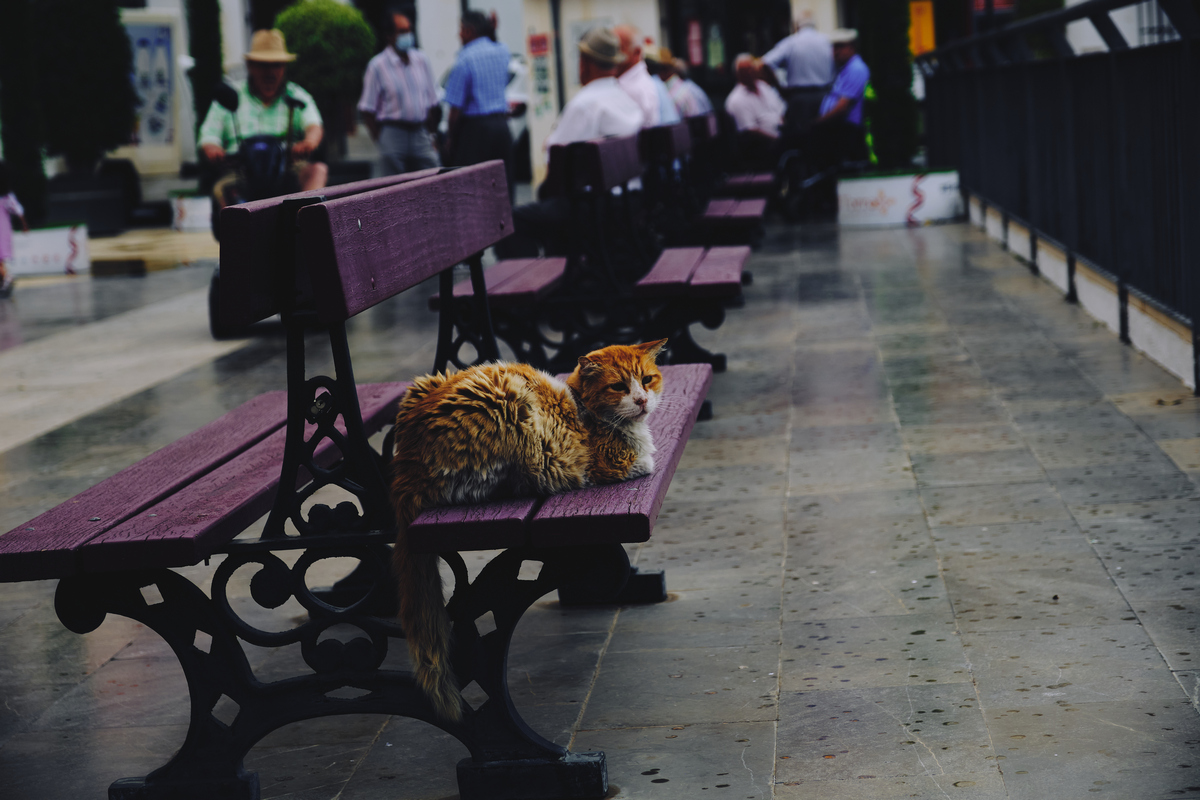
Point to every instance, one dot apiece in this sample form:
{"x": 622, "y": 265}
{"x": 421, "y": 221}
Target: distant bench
{"x": 326, "y": 259}
{"x": 550, "y": 311}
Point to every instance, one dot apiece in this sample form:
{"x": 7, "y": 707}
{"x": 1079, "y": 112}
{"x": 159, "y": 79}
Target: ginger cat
{"x": 508, "y": 429}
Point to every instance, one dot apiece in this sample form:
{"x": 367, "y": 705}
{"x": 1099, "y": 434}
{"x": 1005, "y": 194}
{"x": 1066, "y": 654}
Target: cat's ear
{"x": 587, "y": 366}
{"x": 651, "y": 349}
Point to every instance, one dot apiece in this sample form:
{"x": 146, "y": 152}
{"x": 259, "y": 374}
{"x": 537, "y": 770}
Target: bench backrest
{"x": 605, "y": 164}
{"x": 362, "y": 249}
{"x": 666, "y": 143}
{"x": 703, "y": 127}
{"x": 366, "y": 241}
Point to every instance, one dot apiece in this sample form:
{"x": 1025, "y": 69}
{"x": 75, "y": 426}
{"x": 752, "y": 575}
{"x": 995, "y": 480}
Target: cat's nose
{"x": 641, "y": 401}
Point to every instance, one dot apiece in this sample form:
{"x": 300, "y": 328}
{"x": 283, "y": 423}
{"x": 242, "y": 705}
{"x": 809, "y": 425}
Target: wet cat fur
{"x": 508, "y": 429}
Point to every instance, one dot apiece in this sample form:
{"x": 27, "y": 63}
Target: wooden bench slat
{"x": 605, "y": 164}
{"x": 514, "y": 281}
{"x": 540, "y": 278}
{"x": 625, "y": 512}
{"x": 483, "y": 526}
{"x": 671, "y": 273}
{"x": 44, "y": 547}
{"x": 198, "y": 519}
{"x": 365, "y": 248}
{"x": 720, "y": 273}
{"x": 248, "y": 241}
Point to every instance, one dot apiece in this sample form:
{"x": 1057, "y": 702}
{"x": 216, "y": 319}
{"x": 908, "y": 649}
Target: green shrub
{"x": 333, "y": 44}
{"x": 84, "y": 61}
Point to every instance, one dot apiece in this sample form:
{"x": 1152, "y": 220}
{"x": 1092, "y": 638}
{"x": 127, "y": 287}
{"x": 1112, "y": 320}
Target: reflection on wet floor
{"x": 939, "y": 540}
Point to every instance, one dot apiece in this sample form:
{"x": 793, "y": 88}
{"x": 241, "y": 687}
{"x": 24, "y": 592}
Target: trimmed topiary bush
{"x": 333, "y": 44}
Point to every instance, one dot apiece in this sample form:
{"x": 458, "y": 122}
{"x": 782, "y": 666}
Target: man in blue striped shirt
{"x": 399, "y": 102}
{"x": 475, "y": 93}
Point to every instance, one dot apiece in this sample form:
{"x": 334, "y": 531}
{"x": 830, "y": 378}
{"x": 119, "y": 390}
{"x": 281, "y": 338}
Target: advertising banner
{"x": 914, "y": 199}
{"x": 51, "y": 251}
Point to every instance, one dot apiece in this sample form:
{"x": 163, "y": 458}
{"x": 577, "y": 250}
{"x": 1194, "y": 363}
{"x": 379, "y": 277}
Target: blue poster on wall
{"x": 154, "y": 80}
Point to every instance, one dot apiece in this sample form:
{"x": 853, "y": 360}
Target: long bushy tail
{"x": 423, "y": 615}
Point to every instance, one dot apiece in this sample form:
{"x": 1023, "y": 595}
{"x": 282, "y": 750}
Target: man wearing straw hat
{"x": 262, "y": 111}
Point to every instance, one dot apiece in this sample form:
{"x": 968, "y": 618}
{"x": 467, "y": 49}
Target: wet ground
{"x": 939, "y": 541}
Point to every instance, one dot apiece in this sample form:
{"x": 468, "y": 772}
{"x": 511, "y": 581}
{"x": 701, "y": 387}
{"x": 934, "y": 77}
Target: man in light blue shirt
{"x": 475, "y": 92}
{"x": 838, "y": 135}
{"x": 806, "y": 58}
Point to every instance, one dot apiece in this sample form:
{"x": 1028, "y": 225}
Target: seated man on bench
{"x": 601, "y": 108}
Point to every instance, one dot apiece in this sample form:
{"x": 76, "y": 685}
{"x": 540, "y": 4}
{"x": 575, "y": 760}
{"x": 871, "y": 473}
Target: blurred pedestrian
{"x": 806, "y": 57}
{"x": 399, "y": 102}
{"x": 838, "y": 133}
{"x": 262, "y": 111}
{"x": 658, "y": 64}
{"x": 478, "y": 129}
{"x": 757, "y": 110}
{"x": 634, "y": 78}
{"x": 9, "y": 207}
{"x": 690, "y": 99}
{"x": 601, "y": 108}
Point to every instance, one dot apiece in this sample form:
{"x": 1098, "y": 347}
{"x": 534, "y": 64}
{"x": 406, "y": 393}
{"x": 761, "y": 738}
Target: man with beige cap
{"x": 601, "y": 108}
{"x": 262, "y": 111}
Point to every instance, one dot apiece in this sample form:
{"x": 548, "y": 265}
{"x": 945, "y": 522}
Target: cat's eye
{"x": 646, "y": 380}
{"x": 619, "y": 387}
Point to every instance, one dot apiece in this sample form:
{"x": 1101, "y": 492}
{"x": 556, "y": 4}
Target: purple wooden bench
{"x": 550, "y": 311}
{"x": 113, "y": 546}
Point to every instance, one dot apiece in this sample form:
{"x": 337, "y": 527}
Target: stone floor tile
{"x": 966, "y": 468}
{"x": 893, "y": 731}
{"x": 867, "y": 652}
{"x": 965, "y": 438}
{"x": 1144, "y": 747}
{"x": 846, "y": 506}
{"x": 1172, "y": 626}
{"x": 409, "y": 759}
{"x": 968, "y": 786}
{"x": 686, "y": 761}
{"x": 1150, "y": 572}
{"x": 686, "y": 686}
{"x": 33, "y": 766}
{"x": 992, "y": 504}
{"x": 1017, "y": 669}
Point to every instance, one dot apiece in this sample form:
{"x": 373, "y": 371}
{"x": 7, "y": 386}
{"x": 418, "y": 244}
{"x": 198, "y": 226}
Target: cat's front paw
{"x": 643, "y": 466}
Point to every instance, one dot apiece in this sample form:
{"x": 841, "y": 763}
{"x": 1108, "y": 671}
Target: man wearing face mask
{"x": 399, "y": 102}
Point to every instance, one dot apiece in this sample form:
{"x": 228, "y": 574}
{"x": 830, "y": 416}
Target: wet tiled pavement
{"x": 939, "y": 541}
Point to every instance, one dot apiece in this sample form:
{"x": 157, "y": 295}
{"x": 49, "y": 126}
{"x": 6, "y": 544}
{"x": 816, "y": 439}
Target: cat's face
{"x": 620, "y": 382}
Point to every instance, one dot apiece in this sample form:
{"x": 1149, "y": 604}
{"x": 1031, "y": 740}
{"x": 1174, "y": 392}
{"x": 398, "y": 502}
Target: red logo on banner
{"x": 539, "y": 45}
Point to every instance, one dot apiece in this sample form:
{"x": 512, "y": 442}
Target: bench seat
{"x": 695, "y": 272}
{"x": 617, "y": 513}
{"x": 179, "y": 505}
{"x": 513, "y": 282}
{"x": 758, "y": 184}
{"x": 732, "y": 211}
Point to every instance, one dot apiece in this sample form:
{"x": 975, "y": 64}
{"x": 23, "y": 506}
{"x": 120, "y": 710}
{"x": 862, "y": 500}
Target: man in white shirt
{"x": 635, "y": 78}
{"x": 601, "y": 108}
{"x": 806, "y": 57}
{"x": 758, "y": 110}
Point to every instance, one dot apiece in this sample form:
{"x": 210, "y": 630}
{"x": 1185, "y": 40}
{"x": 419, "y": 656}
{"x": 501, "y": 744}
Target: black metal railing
{"x": 1095, "y": 151}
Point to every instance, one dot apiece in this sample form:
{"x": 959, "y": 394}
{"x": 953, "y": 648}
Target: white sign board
{"x": 914, "y": 199}
{"x": 51, "y": 251}
{"x": 191, "y": 213}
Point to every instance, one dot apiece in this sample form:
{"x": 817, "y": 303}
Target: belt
{"x": 488, "y": 116}
{"x": 401, "y": 123}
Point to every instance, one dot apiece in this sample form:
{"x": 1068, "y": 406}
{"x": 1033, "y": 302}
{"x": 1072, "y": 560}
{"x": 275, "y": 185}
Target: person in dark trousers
{"x": 399, "y": 103}
{"x": 478, "y": 126}
{"x": 806, "y": 58}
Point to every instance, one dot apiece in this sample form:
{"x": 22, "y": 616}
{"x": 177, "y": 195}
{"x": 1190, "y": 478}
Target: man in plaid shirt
{"x": 399, "y": 102}
{"x": 475, "y": 92}
{"x": 261, "y": 111}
